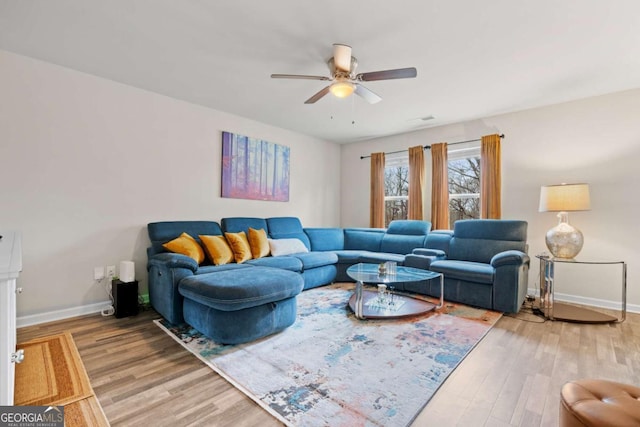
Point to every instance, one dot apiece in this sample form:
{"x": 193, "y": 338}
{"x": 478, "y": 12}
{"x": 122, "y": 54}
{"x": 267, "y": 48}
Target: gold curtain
{"x": 377, "y": 190}
{"x": 490, "y": 177}
{"x": 439, "y": 187}
{"x": 416, "y": 182}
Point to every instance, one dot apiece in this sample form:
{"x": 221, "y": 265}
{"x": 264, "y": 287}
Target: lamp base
{"x": 564, "y": 240}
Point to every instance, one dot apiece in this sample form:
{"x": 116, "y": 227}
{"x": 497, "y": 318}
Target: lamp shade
{"x": 564, "y": 198}
{"x": 342, "y": 89}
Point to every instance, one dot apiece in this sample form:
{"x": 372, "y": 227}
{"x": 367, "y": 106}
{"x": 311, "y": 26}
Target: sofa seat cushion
{"x": 378, "y": 257}
{"x": 206, "y": 269}
{"x": 464, "y": 270}
{"x": 241, "y": 288}
{"x": 288, "y": 262}
{"x": 316, "y": 259}
{"x": 349, "y": 256}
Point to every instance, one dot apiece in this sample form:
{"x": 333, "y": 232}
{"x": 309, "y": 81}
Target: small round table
{"x": 361, "y": 300}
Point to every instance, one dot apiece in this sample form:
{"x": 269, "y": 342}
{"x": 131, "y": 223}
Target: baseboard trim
{"x": 592, "y": 302}
{"x": 50, "y": 316}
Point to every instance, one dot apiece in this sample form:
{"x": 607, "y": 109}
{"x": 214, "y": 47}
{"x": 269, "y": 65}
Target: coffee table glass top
{"x": 368, "y": 273}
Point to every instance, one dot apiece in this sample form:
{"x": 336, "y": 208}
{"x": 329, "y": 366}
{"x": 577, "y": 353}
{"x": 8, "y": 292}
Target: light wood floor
{"x": 142, "y": 377}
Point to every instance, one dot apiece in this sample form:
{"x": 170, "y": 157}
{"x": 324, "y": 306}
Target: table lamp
{"x": 564, "y": 240}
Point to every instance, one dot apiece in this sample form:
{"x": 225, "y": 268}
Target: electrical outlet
{"x": 98, "y": 273}
{"x": 111, "y": 272}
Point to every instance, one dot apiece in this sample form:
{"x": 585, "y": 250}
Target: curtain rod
{"x": 428, "y": 147}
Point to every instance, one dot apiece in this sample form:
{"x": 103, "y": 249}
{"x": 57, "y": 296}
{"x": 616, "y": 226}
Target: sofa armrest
{"x": 511, "y": 278}
{"x": 511, "y": 257}
{"x": 419, "y": 261}
{"x": 171, "y": 260}
{"x": 436, "y": 253}
{"x": 166, "y": 270}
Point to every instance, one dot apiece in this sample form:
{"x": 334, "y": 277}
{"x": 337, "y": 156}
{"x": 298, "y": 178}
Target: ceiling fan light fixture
{"x": 342, "y": 89}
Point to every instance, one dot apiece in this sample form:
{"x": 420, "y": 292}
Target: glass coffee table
{"x": 366, "y": 304}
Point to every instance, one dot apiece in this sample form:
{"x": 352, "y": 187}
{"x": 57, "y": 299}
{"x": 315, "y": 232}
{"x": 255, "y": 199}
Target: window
{"x": 396, "y": 187}
{"x": 464, "y": 184}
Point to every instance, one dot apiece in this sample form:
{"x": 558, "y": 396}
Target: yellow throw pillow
{"x": 217, "y": 249}
{"x": 239, "y": 245}
{"x": 258, "y": 243}
{"x": 186, "y": 245}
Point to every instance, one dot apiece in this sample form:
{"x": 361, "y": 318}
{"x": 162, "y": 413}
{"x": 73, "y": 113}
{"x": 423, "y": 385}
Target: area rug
{"x": 330, "y": 368}
{"x": 52, "y": 374}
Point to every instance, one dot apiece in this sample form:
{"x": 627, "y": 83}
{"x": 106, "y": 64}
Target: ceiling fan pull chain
{"x": 353, "y": 110}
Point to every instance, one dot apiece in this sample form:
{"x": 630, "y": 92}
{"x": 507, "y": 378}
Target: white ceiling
{"x": 474, "y": 58}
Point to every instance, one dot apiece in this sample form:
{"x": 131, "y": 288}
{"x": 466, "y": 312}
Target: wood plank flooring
{"x": 142, "y": 377}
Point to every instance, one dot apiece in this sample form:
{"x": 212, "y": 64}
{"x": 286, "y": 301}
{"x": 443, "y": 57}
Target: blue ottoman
{"x": 237, "y": 306}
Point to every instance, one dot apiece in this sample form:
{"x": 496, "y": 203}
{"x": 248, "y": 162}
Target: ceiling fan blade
{"x": 298, "y": 76}
{"x": 342, "y": 57}
{"x": 400, "y": 73}
{"x": 368, "y": 96}
{"x": 317, "y": 96}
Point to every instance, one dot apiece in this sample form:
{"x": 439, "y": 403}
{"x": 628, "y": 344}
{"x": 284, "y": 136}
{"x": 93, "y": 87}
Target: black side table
{"x": 125, "y": 298}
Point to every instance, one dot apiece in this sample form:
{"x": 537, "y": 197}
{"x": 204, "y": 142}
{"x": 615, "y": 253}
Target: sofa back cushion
{"x": 325, "y": 239}
{"x": 239, "y": 223}
{"x": 403, "y": 236}
{"x": 478, "y": 240}
{"x": 162, "y": 232}
{"x": 287, "y": 228}
{"x": 363, "y": 239}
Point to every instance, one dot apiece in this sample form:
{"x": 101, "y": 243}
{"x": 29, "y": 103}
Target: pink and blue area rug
{"x": 331, "y": 369}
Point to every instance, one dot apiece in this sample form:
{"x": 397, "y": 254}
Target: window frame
{"x": 395, "y": 160}
{"x": 457, "y": 154}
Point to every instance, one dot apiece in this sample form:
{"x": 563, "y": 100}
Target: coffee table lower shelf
{"x": 411, "y": 306}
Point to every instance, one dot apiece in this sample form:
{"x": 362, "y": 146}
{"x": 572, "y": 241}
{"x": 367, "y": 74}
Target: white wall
{"x": 86, "y": 163}
{"x": 595, "y": 140}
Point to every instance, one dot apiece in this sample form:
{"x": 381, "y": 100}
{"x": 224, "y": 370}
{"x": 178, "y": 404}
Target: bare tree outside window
{"x": 464, "y": 186}
{"x": 464, "y": 189}
{"x": 396, "y": 183}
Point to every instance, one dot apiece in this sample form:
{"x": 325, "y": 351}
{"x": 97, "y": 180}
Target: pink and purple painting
{"x": 254, "y": 169}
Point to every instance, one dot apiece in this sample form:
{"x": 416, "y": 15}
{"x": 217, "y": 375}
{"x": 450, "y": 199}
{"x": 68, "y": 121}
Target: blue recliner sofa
{"x": 484, "y": 263}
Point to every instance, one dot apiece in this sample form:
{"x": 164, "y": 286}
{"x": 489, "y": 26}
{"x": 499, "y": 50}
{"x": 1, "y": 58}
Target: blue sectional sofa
{"x": 331, "y": 252}
{"x": 213, "y": 298}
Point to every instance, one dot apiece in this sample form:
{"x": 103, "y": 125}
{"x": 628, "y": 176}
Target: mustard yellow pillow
{"x": 186, "y": 245}
{"x": 239, "y": 245}
{"x": 258, "y": 243}
{"x": 217, "y": 249}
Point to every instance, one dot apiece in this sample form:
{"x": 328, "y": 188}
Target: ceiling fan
{"x": 344, "y": 79}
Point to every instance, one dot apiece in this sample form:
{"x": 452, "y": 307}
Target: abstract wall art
{"x": 254, "y": 169}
